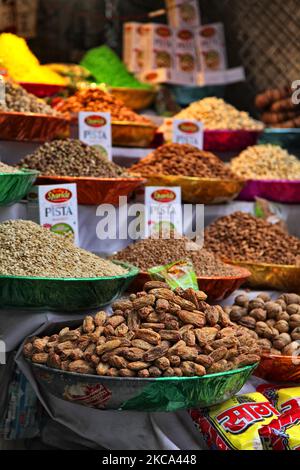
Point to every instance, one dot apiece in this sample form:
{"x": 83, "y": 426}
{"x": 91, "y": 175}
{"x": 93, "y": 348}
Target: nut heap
{"x": 27, "y": 249}
{"x": 182, "y": 159}
{"x": 70, "y": 157}
{"x": 7, "y": 169}
{"x": 269, "y": 162}
{"x": 95, "y": 99}
{"x": 215, "y": 113}
{"x": 152, "y": 252}
{"x": 157, "y": 332}
{"x": 19, "y": 100}
{"x": 242, "y": 237}
{"x": 276, "y": 324}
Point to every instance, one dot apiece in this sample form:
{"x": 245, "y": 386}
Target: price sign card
{"x": 58, "y": 209}
{"x": 163, "y": 211}
{"x": 188, "y": 132}
{"x": 95, "y": 130}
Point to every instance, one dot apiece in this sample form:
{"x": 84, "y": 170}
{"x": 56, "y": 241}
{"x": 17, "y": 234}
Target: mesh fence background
{"x": 263, "y": 35}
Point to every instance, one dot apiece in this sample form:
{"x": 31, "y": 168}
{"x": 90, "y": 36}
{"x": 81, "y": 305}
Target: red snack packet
{"x": 282, "y": 433}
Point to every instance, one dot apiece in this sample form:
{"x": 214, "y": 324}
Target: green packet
{"x": 178, "y": 274}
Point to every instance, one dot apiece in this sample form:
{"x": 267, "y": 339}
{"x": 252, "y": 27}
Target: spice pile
{"x": 154, "y": 333}
{"x": 152, "y": 252}
{"x": 70, "y": 157}
{"x": 242, "y": 237}
{"x": 182, "y": 159}
{"x": 216, "y": 114}
{"x": 27, "y": 249}
{"x": 107, "y": 68}
{"x": 277, "y": 108}
{"x": 95, "y": 99}
{"x": 22, "y": 65}
{"x": 276, "y": 323}
{"x": 269, "y": 162}
{"x": 7, "y": 169}
{"x": 17, "y": 99}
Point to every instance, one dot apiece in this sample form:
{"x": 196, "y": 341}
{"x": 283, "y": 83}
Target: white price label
{"x": 188, "y": 132}
{"x": 58, "y": 209}
{"x": 95, "y": 130}
{"x": 163, "y": 210}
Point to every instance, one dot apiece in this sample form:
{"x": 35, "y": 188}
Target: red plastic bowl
{"x": 42, "y": 89}
{"x": 284, "y": 191}
{"x": 229, "y": 140}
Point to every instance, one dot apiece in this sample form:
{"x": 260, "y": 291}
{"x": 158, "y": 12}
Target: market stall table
{"x": 98, "y": 428}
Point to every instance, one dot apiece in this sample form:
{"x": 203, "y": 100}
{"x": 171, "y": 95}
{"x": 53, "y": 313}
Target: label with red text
{"x": 234, "y": 425}
{"x": 188, "y": 131}
{"x": 58, "y": 209}
{"x": 95, "y": 130}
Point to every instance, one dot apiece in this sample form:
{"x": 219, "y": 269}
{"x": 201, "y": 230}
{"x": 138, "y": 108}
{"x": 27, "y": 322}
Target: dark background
{"x": 261, "y": 35}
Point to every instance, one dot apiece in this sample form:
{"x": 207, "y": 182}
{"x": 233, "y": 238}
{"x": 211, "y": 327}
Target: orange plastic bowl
{"x": 216, "y": 288}
{"x": 94, "y": 191}
{"x": 276, "y": 368}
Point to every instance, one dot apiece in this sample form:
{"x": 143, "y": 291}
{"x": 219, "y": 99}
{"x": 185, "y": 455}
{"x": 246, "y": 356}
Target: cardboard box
{"x": 183, "y": 13}
{"x": 157, "y": 46}
{"x": 132, "y": 46}
{"x": 185, "y": 56}
{"x": 211, "y": 47}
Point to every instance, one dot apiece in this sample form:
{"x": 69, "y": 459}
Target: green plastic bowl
{"x": 63, "y": 294}
{"x": 14, "y": 186}
{"x": 137, "y": 394}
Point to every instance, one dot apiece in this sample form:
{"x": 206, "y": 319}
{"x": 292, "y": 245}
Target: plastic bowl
{"x": 64, "y": 294}
{"x": 284, "y": 191}
{"x": 229, "y": 140}
{"x": 161, "y": 394}
{"x": 216, "y": 287}
{"x": 276, "y": 368}
{"x": 42, "y": 90}
{"x": 14, "y": 186}
{"x": 94, "y": 191}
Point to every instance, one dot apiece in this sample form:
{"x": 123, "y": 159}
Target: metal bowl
{"x": 161, "y": 394}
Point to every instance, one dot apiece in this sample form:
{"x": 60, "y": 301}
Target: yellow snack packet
{"x": 234, "y": 425}
{"x": 284, "y": 399}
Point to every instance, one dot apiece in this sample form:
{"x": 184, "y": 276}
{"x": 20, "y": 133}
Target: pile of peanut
{"x": 157, "y": 332}
{"x": 275, "y": 324}
{"x": 215, "y": 113}
{"x": 266, "y": 161}
{"x": 96, "y": 100}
